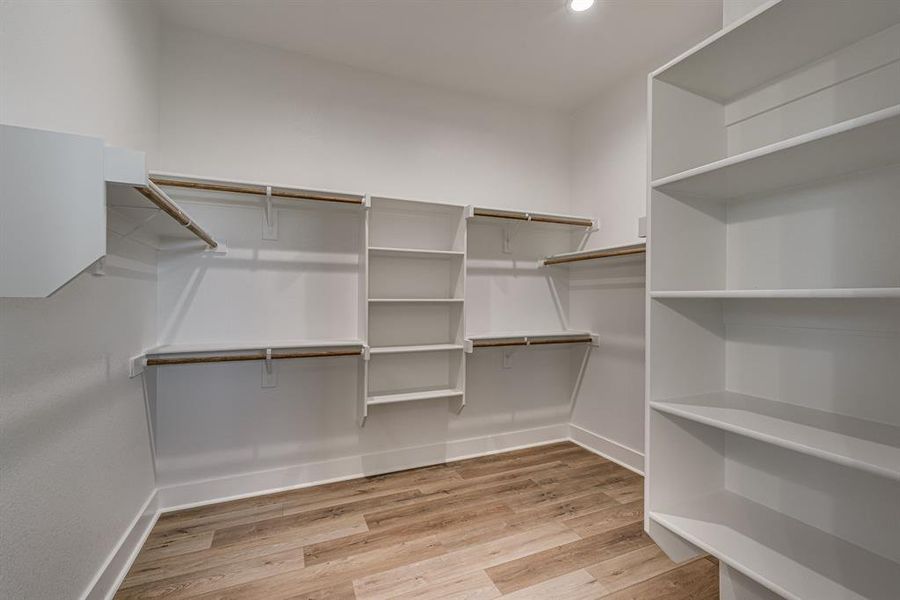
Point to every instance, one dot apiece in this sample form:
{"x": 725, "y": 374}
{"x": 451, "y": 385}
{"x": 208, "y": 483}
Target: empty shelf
{"x": 410, "y": 396}
{"x": 571, "y": 257}
{"x": 410, "y": 349}
{"x": 865, "y": 445}
{"x": 858, "y": 144}
{"x": 769, "y": 44}
{"x": 412, "y": 253}
{"x": 175, "y": 354}
{"x": 783, "y": 293}
{"x": 791, "y": 558}
{"x": 414, "y": 300}
{"x": 494, "y": 214}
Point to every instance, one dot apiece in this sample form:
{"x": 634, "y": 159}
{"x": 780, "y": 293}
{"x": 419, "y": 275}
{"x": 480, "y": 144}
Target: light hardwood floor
{"x": 551, "y": 523}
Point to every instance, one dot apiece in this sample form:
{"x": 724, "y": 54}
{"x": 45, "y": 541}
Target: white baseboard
{"x": 210, "y": 491}
{"x": 113, "y": 571}
{"x": 605, "y": 447}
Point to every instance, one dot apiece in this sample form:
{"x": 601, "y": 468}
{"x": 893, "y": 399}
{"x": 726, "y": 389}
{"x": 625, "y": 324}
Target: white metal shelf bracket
{"x": 270, "y": 226}
{"x": 269, "y": 377}
{"x": 510, "y": 232}
{"x": 136, "y": 365}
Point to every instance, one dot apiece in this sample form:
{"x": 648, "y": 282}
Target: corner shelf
{"x": 395, "y": 398}
{"x": 760, "y": 543}
{"x": 865, "y": 445}
{"x": 853, "y": 145}
{"x": 834, "y": 293}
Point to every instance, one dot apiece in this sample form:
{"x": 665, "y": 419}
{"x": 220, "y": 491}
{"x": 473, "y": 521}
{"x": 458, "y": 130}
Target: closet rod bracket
{"x": 270, "y": 226}
{"x": 136, "y": 365}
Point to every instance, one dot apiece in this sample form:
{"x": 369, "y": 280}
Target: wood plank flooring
{"x": 553, "y": 522}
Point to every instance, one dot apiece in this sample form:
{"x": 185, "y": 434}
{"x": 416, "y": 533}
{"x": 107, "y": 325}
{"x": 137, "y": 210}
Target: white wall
{"x": 240, "y": 110}
{"x": 607, "y": 297}
{"x": 76, "y": 465}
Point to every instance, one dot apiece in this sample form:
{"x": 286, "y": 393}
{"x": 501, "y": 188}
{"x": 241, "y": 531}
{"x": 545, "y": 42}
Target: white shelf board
{"x": 412, "y": 349}
{"x": 782, "y": 293}
{"x": 772, "y": 42}
{"x": 414, "y": 300}
{"x": 859, "y": 144}
{"x": 791, "y": 558}
{"x": 502, "y": 335}
{"x": 866, "y": 445}
{"x": 412, "y": 253}
{"x": 170, "y": 349}
{"x": 412, "y": 396}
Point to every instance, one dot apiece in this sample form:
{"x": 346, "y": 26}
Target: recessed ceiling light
{"x": 580, "y": 5}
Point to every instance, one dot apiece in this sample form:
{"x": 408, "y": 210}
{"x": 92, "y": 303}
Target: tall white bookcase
{"x": 773, "y": 338}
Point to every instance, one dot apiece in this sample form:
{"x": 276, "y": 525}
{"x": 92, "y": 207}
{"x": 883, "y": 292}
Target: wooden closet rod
{"x": 187, "y": 360}
{"x": 256, "y": 190}
{"x": 520, "y": 216}
{"x": 624, "y": 251}
{"x": 529, "y": 342}
{"x": 165, "y": 204}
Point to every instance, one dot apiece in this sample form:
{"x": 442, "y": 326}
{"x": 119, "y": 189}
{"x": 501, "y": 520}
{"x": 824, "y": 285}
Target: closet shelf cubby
{"x": 797, "y": 561}
{"x": 865, "y": 445}
{"x": 853, "y": 145}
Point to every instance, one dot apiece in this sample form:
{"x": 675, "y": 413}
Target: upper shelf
{"x": 174, "y": 354}
{"x": 859, "y": 144}
{"x": 583, "y": 255}
{"x": 527, "y": 338}
{"x": 494, "y": 214}
{"x": 835, "y": 293}
{"x": 244, "y": 188}
{"x": 773, "y": 41}
{"x": 411, "y": 252}
{"x": 865, "y": 445}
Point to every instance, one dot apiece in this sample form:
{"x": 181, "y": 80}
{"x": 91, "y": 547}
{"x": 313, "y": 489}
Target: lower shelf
{"x": 784, "y": 555}
{"x": 411, "y": 396}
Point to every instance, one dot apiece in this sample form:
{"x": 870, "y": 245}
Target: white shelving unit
{"x": 415, "y": 292}
{"x": 773, "y": 333}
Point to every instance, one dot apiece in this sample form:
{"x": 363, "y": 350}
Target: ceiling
{"x": 535, "y": 52}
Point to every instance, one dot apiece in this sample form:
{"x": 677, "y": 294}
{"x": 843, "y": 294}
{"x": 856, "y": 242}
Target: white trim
{"x": 109, "y": 577}
{"x": 210, "y": 491}
{"x": 629, "y": 458}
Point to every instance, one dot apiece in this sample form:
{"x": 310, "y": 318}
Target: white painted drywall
{"x": 732, "y": 10}
{"x": 240, "y": 110}
{"x": 76, "y": 463}
{"x": 609, "y": 142}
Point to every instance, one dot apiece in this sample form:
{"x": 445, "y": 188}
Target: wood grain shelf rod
{"x": 608, "y": 253}
{"x": 165, "y": 204}
{"x": 256, "y": 190}
{"x": 528, "y": 342}
{"x": 187, "y": 360}
{"x": 535, "y": 218}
